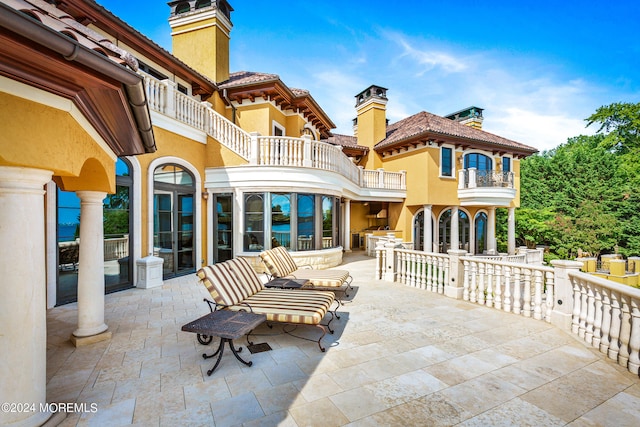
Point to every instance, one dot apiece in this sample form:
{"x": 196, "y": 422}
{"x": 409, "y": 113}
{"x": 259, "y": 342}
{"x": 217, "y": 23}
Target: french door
{"x": 173, "y": 230}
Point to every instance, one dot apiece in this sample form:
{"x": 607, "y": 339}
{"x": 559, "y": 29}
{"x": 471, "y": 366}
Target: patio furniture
{"x": 228, "y": 325}
{"x": 235, "y": 285}
{"x": 281, "y": 265}
{"x": 285, "y": 283}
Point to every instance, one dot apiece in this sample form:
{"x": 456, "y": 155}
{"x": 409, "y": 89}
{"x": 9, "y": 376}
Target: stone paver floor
{"x": 399, "y": 356}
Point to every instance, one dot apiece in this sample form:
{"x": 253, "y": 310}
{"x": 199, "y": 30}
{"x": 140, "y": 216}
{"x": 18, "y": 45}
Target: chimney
{"x": 200, "y": 33}
{"x": 471, "y": 116}
{"x": 371, "y": 121}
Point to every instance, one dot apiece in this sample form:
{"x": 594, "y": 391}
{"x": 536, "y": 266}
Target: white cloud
{"x": 541, "y": 131}
{"x": 427, "y": 59}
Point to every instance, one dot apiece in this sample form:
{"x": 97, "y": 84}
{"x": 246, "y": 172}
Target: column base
{"x": 453, "y": 292}
{"x": 92, "y": 339}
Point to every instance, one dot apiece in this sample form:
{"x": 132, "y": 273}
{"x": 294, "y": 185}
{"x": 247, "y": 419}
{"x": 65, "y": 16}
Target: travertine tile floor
{"x": 399, "y": 357}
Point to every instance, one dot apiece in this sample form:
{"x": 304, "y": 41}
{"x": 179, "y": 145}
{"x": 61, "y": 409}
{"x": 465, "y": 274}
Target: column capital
{"x": 19, "y": 179}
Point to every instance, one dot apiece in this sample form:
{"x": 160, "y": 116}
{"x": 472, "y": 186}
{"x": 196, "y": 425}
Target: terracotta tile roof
{"x": 428, "y": 124}
{"x": 242, "y": 78}
{"x": 345, "y": 141}
{"x": 299, "y": 92}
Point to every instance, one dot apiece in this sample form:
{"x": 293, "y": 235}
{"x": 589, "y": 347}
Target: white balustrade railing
{"x": 522, "y": 289}
{"x": 607, "y": 316}
{"x": 163, "y": 97}
{"x": 429, "y": 271}
{"x": 116, "y": 248}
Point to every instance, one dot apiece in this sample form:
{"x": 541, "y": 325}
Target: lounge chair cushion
{"x": 278, "y": 261}
{"x": 321, "y": 278}
{"x": 289, "y": 306}
{"x": 223, "y": 284}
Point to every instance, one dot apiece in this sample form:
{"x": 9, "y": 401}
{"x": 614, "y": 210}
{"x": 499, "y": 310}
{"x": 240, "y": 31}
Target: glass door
{"x": 173, "y": 232}
{"x": 223, "y": 226}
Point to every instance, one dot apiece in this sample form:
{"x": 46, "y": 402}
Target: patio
{"x": 399, "y": 356}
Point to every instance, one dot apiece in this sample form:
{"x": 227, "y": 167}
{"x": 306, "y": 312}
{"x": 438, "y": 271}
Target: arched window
{"x": 173, "y": 209}
{"x": 254, "y": 222}
{"x": 478, "y": 161}
{"x": 202, "y": 3}
{"x": 481, "y": 232}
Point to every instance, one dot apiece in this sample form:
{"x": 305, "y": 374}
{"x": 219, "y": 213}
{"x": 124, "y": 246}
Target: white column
{"x": 347, "y": 225}
{"x": 23, "y": 340}
{"x": 491, "y": 231}
{"x": 91, "y": 271}
{"x": 455, "y": 232}
{"x": 511, "y": 231}
{"x": 426, "y": 226}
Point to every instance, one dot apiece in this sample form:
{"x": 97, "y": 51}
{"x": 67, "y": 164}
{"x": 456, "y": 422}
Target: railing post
{"x": 170, "y": 105}
{"x": 472, "y": 178}
{"x": 563, "y": 307}
{"x": 254, "y": 154}
{"x": 380, "y": 178}
{"x": 206, "y": 117}
{"x": 455, "y": 286}
{"x": 361, "y": 176}
{"x": 461, "y": 183}
{"x": 307, "y": 160}
{"x": 389, "y": 267}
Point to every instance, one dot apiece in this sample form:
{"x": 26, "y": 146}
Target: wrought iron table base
{"x": 219, "y": 352}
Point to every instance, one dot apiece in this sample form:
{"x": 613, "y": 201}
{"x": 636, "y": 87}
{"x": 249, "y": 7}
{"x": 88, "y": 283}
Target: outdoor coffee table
{"x": 228, "y": 325}
{"x": 284, "y": 283}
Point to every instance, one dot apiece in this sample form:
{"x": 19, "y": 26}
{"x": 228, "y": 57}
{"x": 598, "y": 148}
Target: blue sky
{"x": 537, "y": 68}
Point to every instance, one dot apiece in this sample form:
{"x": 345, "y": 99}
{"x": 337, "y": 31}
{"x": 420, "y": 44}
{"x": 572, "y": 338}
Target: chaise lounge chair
{"x": 281, "y": 265}
{"x": 235, "y": 285}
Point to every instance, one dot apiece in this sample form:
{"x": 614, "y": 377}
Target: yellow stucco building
{"x": 115, "y": 153}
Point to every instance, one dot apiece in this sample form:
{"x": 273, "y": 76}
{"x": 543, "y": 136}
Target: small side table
{"x": 285, "y": 283}
{"x": 228, "y": 325}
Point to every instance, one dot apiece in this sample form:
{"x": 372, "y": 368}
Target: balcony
{"x": 485, "y": 188}
{"x": 199, "y": 119}
{"x": 399, "y": 355}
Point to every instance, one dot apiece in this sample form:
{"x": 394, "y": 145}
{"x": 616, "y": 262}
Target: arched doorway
{"x": 173, "y": 218}
{"x": 480, "y": 232}
{"x": 444, "y": 231}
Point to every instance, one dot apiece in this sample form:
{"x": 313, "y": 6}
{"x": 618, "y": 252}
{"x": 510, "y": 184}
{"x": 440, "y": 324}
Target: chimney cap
{"x": 372, "y": 91}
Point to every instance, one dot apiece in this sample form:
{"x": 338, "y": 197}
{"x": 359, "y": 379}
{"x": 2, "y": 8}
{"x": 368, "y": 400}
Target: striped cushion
{"x": 245, "y": 275}
{"x": 222, "y": 284}
{"x": 277, "y": 265}
{"x": 321, "y": 278}
{"x": 286, "y": 306}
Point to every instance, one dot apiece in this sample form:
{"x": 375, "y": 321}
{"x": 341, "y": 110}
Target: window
{"x": 478, "y": 161}
{"x": 223, "y": 223}
{"x": 281, "y": 220}
{"x": 327, "y": 222}
{"x": 446, "y": 162}
{"x": 277, "y": 129}
{"x": 306, "y": 224}
{"x": 254, "y": 222}
{"x": 506, "y": 164}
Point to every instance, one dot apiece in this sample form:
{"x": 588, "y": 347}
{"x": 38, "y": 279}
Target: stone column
{"x": 511, "y": 231}
{"x": 91, "y": 326}
{"x": 455, "y": 229}
{"x": 491, "y": 231}
{"x": 347, "y": 225}
{"x": 563, "y": 304}
{"x": 23, "y": 340}
{"x": 428, "y": 235}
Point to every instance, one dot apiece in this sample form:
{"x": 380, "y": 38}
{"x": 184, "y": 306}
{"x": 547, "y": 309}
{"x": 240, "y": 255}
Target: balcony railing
{"x": 164, "y": 98}
{"x": 474, "y": 178}
{"x": 605, "y": 314}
